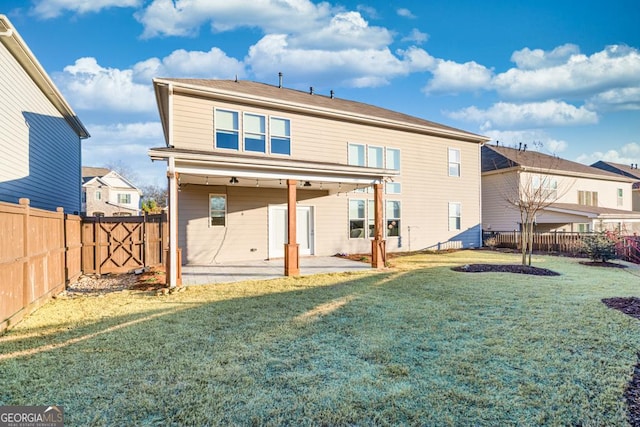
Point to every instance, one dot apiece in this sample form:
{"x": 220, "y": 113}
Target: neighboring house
{"x": 582, "y": 198}
{"x": 363, "y": 179}
{"x": 40, "y": 134}
{"x": 106, "y": 193}
{"x": 630, "y": 171}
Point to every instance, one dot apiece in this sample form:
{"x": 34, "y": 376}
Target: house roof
{"x": 90, "y": 172}
{"x": 270, "y": 95}
{"x": 630, "y": 171}
{"x": 501, "y": 157}
{"x": 592, "y": 211}
{"x": 10, "y": 38}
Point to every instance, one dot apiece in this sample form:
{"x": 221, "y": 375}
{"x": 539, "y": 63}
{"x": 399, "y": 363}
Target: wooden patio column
{"x": 378, "y": 248}
{"x": 291, "y": 254}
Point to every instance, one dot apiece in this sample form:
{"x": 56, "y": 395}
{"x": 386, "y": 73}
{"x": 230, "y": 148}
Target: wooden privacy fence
{"x": 628, "y": 247}
{"x": 121, "y": 244}
{"x": 39, "y": 254}
{"x": 41, "y": 251}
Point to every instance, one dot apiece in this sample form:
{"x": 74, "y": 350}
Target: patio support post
{"x": 378, "y": 247}
{"x": 172, "y": 264}
{"x": 291, "y": 254}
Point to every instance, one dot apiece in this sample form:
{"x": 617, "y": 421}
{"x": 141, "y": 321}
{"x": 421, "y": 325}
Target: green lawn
{"x": 418, "y": 344}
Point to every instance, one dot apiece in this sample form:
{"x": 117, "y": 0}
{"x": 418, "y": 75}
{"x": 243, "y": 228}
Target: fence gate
{"x": 121, "y": 244}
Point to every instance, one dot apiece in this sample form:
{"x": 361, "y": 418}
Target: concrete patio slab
{"x": 266, "y": 269}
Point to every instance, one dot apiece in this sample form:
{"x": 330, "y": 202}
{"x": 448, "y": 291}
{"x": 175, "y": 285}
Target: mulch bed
{"x": 630, "y": 306}
{"x": 505, "y": 268}
{"x": 605, "y": 264}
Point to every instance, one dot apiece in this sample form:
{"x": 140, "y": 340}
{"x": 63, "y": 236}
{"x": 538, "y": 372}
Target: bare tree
{"x": 154, "y": 198}
{"x": 531, "y": 187}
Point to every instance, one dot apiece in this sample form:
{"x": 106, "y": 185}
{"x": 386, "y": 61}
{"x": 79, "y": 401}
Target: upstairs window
{"x": 356, "y": 155}
{"x": 98, "y": 195}
{"x": 454, "y": 162}
{"x": 393, "y": 159}
{"x": 124, "y": 198}
{"x": 375, "y": 157}
{"x": 620, "y": 197}
{"x": 588, "y": 198}
{"x": 227, "y": 129}
{"x": 255, "y": 133}
{"x": 217, "y": 210}
{"x": 544, "y": 187}
{"x": 280, "y": 136}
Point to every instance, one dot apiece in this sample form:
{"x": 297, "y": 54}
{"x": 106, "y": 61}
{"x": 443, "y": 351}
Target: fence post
{"x": 97, "y": 249}
{"x": 24, "y": 202}
{"x": 145, "y": 243}
{"x": 63, "y": 244}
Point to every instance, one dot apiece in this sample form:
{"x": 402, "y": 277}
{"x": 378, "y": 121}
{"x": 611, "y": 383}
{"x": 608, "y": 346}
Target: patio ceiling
{"x": 205, "y": 168}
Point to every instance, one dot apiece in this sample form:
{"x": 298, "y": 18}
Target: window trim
{"x": 363, "y": 219}
{"x": 127, "y": 196}
{"x": 456, "y": 163}
{"x": 245, "y": 133}
{"x": 386, "y": 158}
{"x": 386, "y": 219}
{"x": 224, "y": 196}
{"x": 620, "y": 197}
{"x": 270, "y": 135}
{"x": 237, "y": 131}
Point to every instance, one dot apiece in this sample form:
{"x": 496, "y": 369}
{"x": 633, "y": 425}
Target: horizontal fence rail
{"x": 627, "y": 247}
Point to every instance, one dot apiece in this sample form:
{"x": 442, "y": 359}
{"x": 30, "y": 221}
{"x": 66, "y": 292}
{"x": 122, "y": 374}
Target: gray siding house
{"x": 40, "y": 134}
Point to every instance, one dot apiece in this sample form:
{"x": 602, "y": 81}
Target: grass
{"x": 418, "y": 344}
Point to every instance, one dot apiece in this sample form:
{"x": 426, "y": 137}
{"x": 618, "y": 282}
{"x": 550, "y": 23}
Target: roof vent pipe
{"x": 520, "y": 147}
{"x": 311, "y": 90}
{"x": 524, "y": 148}
{"x": 332, "y": 94}
{"x": 280, "y": 79}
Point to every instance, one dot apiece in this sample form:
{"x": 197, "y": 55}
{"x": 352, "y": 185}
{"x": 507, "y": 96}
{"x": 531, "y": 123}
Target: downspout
{"x": 173, "y": 197}
{"x": 173, "y": 223}
{"x": 480, "y": 191}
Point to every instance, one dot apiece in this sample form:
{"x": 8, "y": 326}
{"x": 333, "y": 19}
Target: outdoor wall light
{"x": 307, "y": 184}
{"x": 233, "y": 180}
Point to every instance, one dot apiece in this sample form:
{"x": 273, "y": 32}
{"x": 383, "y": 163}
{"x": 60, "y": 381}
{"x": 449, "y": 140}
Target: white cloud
{"x": 536, "y": 140}
{"x": 47, "y": 9}
{"x": 416, "y": 36}
{"x": 214, "y": 64}
{"x": 453, "y": 77}
{"x": 185, "y": 17}
{"x": 527, "y": 59}
{"x": 405, "y": 13}
{"x": 573, "y": 76}
{"x": 616, "y": 99}
{"x": 627, "y": 154}
{"x": 89, "y": 86}
{"x": 531, "y": 115}
{"x": 348, "y": 30}
{"x": 348, "y": 67}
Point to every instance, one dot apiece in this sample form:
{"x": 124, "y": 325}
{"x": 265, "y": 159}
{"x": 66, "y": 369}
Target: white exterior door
{"x": 278, "y": 230}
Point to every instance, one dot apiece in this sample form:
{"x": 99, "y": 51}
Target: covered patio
{"x": 266, "y": 269}
{"x": 189, "y": 167}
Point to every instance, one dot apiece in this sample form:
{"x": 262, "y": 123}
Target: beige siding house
{"x": 630, "y": 171}
{"x": 580, "y": 198}
{"x": 362, "y": 178}
{"x": 39, "y": 132}
{"x": 107, "y": 193}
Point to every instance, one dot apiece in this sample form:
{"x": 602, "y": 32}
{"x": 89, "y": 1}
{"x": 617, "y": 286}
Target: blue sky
{"x": 561, "y": 75}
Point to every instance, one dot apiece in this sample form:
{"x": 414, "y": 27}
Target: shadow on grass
{"x": 399, "y": 347}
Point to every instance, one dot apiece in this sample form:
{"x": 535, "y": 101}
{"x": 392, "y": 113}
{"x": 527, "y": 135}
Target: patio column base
{"x": 291, "y": 259}
{"x": 378, "y": 253}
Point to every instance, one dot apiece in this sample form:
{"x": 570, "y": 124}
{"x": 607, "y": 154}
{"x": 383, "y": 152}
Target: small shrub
{"x": 600, "y": 246}
{"x": 491, "y": 242}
